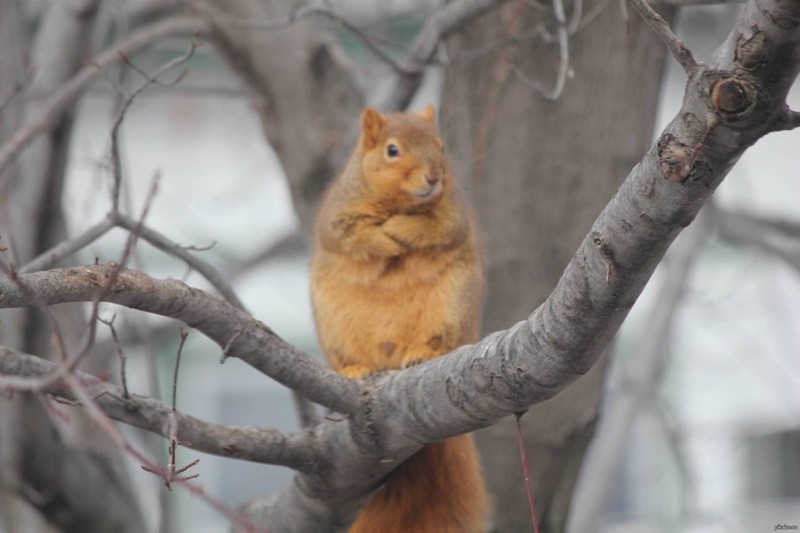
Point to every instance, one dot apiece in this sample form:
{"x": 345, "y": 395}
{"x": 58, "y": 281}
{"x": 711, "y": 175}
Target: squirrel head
{"x": 402, "y": 159}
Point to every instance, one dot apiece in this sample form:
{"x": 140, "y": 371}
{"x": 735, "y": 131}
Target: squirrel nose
{"x": 431, "y": 179}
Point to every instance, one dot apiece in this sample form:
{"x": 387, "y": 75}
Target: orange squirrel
{"x": 396, "y": 280}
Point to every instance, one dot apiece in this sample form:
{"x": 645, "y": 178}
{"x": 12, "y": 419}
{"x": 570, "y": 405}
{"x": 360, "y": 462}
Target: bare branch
{"x": 562, "y": 33}
{"x": 290, "y": 244}
{"x": 260, "y": 445}
{"x": 783, "y": 227}
{"x": 56, "y": 104}
{"x": 123, "y": 358}
{"x": 66, "y": 248}
{"x": 293, "y": 17}
{"x": 257, "y": 345}
{"x": 164, "y": 244}
{"x": 150, "y": 78}
{"x": 97, "y": 415}
{"x": 18, "y": 89}
{"x": 678, "y": 49}
{"x": 438, "y": 26}
{"x": 184, "y": 336}
{"x": 755, "y": 232}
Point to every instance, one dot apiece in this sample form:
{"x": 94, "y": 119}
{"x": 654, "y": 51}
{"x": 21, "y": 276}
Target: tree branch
{"x": 678, "y": 49}
{"x": 57, "y": 104}
{"x": 259, "y": 445}
{"x": 756, "y": 232}
{"x": 448, "y": 19}
{"x": 642, "y": 377}
{"x": 166, "y": 245}
{"x": 255, "y": 343}
{"x": 66, "y": 248}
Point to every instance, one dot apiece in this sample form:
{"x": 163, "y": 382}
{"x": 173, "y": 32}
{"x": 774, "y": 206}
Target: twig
{"x": 164, "y": 244}
{"x": 292, "y": 243}
{"x": 523, "y": 458}
{"x": 51, "y": 110}
{"x": 755, "y": 232}
{"x": 104, "y": 423}
{"x": 197, "y": 248}
{"x": 563, "y": 58}
{"x": 150, "y": 79}
{"x": 66, "y": 248}
{"x": 18, "y": 89}
{"x": 297, "y": 14}
{"x": 184, "y": 336}
{"x": 172, "y": 475}
{"x": 780, "y": 226}
{"x": 228, "y": 345}
{"x": 109, "y": 280}
{"x": 448, "y": 19}
{"x": 575, "y": 19}
{"x": 123, "y": 358}
{"x": 657, "y": 23}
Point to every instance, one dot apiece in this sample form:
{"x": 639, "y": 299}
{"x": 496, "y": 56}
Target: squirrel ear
{"x": 371, "y": 124}
{"x": 429, "y": 113}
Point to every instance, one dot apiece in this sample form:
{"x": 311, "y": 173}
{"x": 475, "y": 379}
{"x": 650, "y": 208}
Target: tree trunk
{"x": 581, "y": 146}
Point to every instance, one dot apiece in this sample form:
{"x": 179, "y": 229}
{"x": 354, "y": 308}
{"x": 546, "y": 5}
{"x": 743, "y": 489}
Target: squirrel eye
{"x": 392, "y": 150}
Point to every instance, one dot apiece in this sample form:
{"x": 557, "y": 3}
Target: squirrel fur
{"x": 396, "y": 280}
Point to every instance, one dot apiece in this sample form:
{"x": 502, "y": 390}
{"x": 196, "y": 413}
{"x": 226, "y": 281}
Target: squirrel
{"x": 396, "y": 280}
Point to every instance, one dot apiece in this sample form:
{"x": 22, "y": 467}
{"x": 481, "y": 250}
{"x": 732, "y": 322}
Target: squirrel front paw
{"x": 355, "y": 371}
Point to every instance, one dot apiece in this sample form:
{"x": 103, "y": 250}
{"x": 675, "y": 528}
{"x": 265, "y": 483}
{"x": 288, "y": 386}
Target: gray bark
{"x": 539, "y": 172}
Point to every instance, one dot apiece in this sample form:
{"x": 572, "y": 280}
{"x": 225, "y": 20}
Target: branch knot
{"x": 731, "y": 97}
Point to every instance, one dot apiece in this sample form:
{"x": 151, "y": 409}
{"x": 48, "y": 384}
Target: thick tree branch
{"x": 231, "y": 328}
{"x": 252, "y": 444}
{"x": 53, "y": 108}
{"x": 640, "y": 381}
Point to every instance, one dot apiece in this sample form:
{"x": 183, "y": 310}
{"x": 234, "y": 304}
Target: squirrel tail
{"x": 437, "y": 490}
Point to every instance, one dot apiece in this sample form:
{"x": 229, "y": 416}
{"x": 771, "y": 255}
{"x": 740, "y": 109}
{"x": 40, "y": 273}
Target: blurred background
{"x": 704, "y": 432}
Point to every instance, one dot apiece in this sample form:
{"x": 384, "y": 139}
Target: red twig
{"x": 523, "y": 457}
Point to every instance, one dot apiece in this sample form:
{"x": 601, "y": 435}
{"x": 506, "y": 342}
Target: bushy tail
{"x": 438, "y": 490}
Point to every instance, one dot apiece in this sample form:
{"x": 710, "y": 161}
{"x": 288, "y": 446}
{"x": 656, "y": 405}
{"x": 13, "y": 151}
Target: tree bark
{"x": 539, "y": 172}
